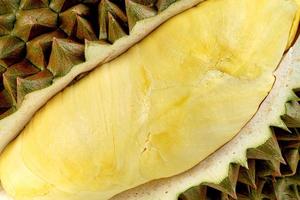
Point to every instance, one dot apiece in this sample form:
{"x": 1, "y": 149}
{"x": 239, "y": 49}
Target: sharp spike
{"x": 102, "y": 21}
{"x": 68, "y": 18}
{"x": 104, "y": 8}
{"x": 21, "y": 69}
{"x": 136, "y": 12}
{"x": 292, "y": 158}
{"x": 11, "y": 50}
{"x": 268, "y": 151}
{"x": 281, "y": 124}
{"x": 85, "y": 30}
{"x": 115, "y": 10}
{"x": 65, "y": 54}
{"x": 282, "y": 135}
{"x": 228, "y": 185}
{"x": 247, "y": 176}
{"x": 32, "y": 83}
{"x": 31, "y": 23}
{"x": 115, "y": 31}
{"x": 42, "y": 46}
{"x": 292, "y": 116}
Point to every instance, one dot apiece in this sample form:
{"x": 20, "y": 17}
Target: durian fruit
{"x": 44, "y": 46}
{"x": 191, "y": 104}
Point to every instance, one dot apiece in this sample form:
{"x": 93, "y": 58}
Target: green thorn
{"x": 164, "y": 4}
{"x": 21, "y": 69}
{"x": 136, "y": 12}
{"x": 64, "y": 55}
{"x": 292, "y": 158}
{"x": 41, "y": 46}
{"x": 115, "y": 31}
{"x": 31, "y": 23}
{"x": 104, "y": 8}
{"x": 228, "y": 185}
{"x": 281, "y": 124}
{"x": 292, "y": 116}
{"x": 11, "y": 49}
{"x": 268, "y": 151}
{"x": 85, "y": 30}
{"x": 247, "y": 176}
{"x": 68, "y": 18}
{"x": 32, "y": 83}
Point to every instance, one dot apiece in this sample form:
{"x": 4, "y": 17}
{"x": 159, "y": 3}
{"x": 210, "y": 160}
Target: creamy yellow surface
{"x": 157, "y": 110}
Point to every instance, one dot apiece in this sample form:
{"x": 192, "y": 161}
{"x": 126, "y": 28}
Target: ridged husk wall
{"x": 41, "y": 40}
{"x": 273, "y": 171}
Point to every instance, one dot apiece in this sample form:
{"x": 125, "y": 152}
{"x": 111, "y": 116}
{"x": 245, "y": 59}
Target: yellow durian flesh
{"x": 155, "y": 111}
{"x": 295, "y": 26}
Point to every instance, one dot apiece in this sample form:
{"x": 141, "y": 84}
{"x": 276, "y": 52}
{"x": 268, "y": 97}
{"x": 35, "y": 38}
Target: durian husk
{"x": 96, "y": 53}
{"x": 270, "y": 174}
{"x": 256, "y": 141}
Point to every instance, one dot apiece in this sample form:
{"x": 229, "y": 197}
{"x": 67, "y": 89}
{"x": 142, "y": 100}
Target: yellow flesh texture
{"x": 295, "y": 26}
{"x": 158, "y": 109}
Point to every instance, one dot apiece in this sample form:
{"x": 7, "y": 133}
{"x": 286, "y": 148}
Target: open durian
{"x": 194, "y": 101}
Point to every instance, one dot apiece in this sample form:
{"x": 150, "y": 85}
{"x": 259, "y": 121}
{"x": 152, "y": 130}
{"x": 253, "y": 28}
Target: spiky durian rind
{"x": 266, "y": 176}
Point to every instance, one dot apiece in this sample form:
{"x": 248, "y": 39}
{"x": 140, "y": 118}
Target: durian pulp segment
{"x": 157, "y": 110}
{"x": 215, "y": 168}
{"x": 295, "y": 26}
